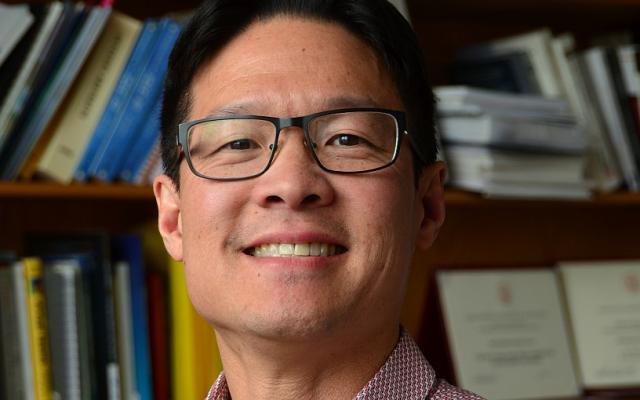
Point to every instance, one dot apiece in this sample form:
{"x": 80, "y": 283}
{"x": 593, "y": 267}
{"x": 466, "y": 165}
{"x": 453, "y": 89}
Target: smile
{"x": 296, "y": 250}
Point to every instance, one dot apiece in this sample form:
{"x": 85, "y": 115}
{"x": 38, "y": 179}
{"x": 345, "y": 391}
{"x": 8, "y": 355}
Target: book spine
{"x": 60, "y": 290}
{"x": 118, "y": 99}
{"x": 143, "y": 145}
{"x": 147, "y": 91}
{"x": 38, "y": 329}
{"x": 88, "y": 98}
{"x": 16, "y": 354}
{"x": 122, "y": 297}
{"x": 159, "y": 342}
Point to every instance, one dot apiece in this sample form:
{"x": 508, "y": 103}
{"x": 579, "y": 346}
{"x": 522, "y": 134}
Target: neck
{"x": 321, "y": 368}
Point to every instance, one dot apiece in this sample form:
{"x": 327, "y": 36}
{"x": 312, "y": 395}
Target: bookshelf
{"x": 478, "y": 232}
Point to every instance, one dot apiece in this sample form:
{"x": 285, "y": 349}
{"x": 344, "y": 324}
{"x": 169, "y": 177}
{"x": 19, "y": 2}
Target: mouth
{"x": 295, "y": 250}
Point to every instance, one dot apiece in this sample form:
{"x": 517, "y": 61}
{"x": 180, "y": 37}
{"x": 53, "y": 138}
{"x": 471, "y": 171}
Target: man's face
{"x": 291, "y": 67}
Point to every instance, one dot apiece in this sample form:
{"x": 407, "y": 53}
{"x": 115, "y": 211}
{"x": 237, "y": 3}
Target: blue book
{"x": 143, "y": 145}
{"x": 111, "y": 156}
{"x": 138, "y": 59}
{"x": 129, "y": 248}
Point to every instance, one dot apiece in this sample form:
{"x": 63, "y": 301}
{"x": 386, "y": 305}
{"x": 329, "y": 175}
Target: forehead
{"x": 288, "y": 66}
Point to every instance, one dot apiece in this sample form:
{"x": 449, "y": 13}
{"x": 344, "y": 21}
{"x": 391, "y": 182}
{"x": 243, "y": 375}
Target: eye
{"x": 241, "y": 144}
{"x": 347, "y": 140}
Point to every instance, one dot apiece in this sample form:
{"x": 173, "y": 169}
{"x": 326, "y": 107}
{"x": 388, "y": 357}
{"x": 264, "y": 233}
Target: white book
{"x": 537, "y": 45}
{"x": 15, "y": 20}
{"x": 602, "y": 168}
{"x": 602, "y": 89}
{"x": 488, "y": 129}
{"x": 124, "y": 330}
{"x": 61, "y": 284}
{"x": 28, "y": 67}
{"x": 455, "y": 100}
{"x": 510, "y": 166}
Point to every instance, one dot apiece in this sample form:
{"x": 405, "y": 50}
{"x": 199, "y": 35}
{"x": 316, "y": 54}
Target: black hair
{"x": 376, "y": 22}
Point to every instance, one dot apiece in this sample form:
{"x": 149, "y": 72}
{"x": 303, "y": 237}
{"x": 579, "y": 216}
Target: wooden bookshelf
{"x": 478, "y": 232}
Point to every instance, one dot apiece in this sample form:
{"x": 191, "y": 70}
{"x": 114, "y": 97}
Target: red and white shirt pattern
{"x": 406, "y": 375}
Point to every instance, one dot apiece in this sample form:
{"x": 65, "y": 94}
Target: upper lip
{"x": 296, "y": 237}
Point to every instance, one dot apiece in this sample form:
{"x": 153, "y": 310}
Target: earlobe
{"x": 169, "y": 217}
{"x": 431, "y": 204}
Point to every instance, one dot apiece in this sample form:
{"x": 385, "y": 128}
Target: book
{"x": 72, "y": 16}
{"x": 508, "y": 72}
{"x": 10, "y": 106}
{"x": 143, "y": 145}
{"x": 195, "y": 359}
{"x": 528, "y": 134}
{"x": 53, "y": 94}
{"x": 87, "y": 100}
{"x": 124, "y": 330}
{"x": 110, "y": 156}
{"x": 10, "y": 68}
{"x": 139, "y": 57}
{"x": 601, "y": 169}
{"x": 536, "y": 44}
{"x": 17, "y": 365}
{"x": 15, "y": 20}
{"x": 465, "y": 100}
{"x": 98, "y": 273}
{"x": 158, "y": 334}
{"x": 602, "y": 88}
{"x": 502, "y": 173}
{"x": 127, "y": 248}
{"x": 63, "y": 290}
{"x": 38, "y": 328}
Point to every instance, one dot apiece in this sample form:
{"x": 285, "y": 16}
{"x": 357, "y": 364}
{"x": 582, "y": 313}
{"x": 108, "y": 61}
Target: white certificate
{"x": 604, "y": 310}
{"x": 507, "y": 333}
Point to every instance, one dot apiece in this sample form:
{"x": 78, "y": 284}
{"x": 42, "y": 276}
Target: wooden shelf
{"x": 456, "y": 198}
{"x": 75, "y": 191}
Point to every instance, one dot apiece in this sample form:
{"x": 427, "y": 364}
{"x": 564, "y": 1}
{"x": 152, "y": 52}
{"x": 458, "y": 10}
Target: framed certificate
{"x": 507, "y": 333}
{"x": 603, "y": 299}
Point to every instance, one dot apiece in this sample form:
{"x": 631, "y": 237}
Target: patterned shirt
{"x": 406, "y": 375}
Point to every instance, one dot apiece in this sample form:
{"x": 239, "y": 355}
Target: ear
{"x": 169, "y": 218}
{"x": 430, "y": 198}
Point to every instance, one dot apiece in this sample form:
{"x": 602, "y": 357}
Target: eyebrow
{"x": 330, "y": 103}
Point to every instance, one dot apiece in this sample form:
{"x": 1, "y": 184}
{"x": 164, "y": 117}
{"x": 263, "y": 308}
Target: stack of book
{"x": 512, "y": 145}
{"x": 81, "y": 94}
{"x": 83, "y": 318}
{"x": 600, "y": 85}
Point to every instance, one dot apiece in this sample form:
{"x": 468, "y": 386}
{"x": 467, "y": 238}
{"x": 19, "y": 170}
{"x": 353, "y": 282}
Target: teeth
{"x": 294, "y": 249}
{"x": 314, "y": 249}
{"x": 301, "y": 250}
{"x": 285, "y": 249}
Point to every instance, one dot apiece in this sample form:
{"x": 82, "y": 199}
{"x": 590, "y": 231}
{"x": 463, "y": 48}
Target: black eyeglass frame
{"x": 283, "y": 123}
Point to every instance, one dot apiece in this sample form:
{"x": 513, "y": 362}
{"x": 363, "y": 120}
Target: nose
{"x": 294, "y": 180}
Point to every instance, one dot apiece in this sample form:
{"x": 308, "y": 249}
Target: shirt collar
{"x": 406, "y": 374}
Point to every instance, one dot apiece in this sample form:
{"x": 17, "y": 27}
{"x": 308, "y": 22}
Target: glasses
{"x": 345, "y": 141}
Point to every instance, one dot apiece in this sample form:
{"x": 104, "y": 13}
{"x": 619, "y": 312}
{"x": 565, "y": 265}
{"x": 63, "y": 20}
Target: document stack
{"x": 512, "y": 145}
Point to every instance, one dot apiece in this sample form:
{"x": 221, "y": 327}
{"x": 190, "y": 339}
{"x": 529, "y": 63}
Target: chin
{"x": 293, "y": 325}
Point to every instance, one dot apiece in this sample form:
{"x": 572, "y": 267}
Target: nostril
{"x": 312, "y": 198}
{"x": 274, "y": 199}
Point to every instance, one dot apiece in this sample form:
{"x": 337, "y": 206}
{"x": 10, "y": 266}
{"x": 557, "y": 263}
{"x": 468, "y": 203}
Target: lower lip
{"x": 296, "y": 263}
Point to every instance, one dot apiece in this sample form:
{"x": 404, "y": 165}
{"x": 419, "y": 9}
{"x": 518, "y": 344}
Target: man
{"x": 300, "y": 164}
